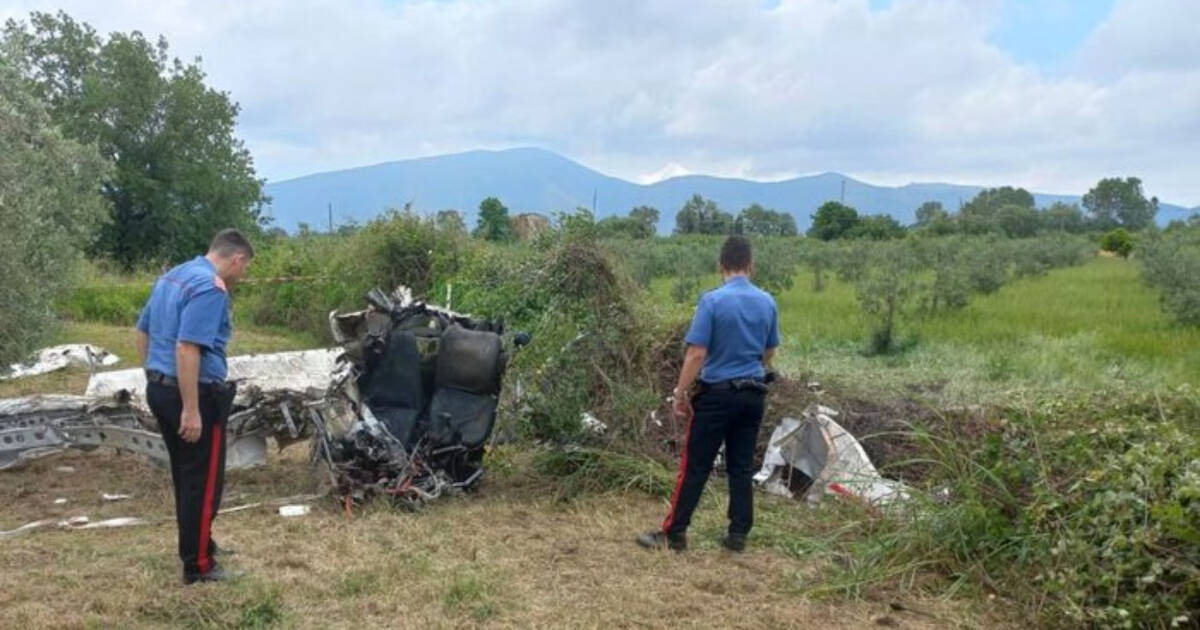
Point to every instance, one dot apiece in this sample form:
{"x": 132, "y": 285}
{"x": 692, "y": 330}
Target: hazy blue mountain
{"x": 533, "y": 180}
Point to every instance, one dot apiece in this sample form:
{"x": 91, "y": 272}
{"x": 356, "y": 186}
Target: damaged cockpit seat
{"x": 469, "y": 367}
{"x": 393, "y": 388}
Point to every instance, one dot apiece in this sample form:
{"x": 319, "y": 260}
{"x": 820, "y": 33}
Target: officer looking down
{"x": 731, "y": 341}
{"x": 183, "y": 332}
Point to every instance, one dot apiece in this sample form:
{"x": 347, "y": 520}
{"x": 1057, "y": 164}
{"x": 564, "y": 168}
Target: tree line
{"x": 109, "y": 148}
{"x": 1112, "y": 204}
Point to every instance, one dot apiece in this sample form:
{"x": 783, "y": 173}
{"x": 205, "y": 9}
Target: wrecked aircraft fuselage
{"x": 423, "y": 383}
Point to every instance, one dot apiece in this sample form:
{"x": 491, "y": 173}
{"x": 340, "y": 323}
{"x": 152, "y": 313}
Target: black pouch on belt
{"x": 224, "y": 393}
{"x": 749, "y": 383}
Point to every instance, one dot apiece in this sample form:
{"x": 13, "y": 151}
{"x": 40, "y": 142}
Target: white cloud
{"x": 669, "y": 170}
{"x": 724, "y": 86}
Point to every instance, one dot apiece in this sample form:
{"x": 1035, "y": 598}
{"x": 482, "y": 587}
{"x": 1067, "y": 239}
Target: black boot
{"x": 215, "y": 574}
{"x": 661, "y": 540}
{"x": 734, "y": 542}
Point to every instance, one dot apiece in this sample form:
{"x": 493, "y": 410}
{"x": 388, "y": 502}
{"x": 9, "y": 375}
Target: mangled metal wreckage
{"x": 402, "y": 411}
{"x": 424, "y": 384}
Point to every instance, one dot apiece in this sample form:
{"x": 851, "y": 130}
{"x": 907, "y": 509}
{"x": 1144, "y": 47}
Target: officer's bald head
{"x": 229, "y": 243}
{"x": 736, "y": 256}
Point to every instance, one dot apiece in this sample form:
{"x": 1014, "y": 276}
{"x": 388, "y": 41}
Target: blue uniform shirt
{"x": 737, "y": 323}
{"x": 189, "y": 303}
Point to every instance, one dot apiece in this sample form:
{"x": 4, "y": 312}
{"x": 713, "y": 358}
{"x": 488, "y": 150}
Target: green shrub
{"x": 1171, "y": 263}
{"x": 1077, "y": 512}
{"x": 1117, "y": 241}
{"x": 325, "y": 272}
{"x": 50, "y": 210}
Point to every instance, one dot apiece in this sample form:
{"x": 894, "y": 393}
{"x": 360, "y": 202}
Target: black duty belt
{"x": 735, "y": 385}
{"x": 154, "y": 376}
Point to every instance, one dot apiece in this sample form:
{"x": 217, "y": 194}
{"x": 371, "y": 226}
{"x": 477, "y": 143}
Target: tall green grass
{"x": 1095, "y": 325}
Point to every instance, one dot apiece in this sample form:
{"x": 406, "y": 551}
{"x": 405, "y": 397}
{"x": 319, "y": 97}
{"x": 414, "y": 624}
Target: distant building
{"x": 529, "y": 225}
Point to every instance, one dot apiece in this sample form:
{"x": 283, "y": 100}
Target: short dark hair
{"x": 736, "y": 254}
{"x": 228, "y": 242}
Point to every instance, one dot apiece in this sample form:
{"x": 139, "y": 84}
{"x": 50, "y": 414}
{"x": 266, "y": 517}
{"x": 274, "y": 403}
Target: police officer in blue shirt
{"x": 731, "y": 341}
{"x": 182, "y": 335}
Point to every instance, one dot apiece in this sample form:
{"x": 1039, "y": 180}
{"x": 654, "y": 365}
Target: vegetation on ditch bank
{"x": 1076, "y": 510}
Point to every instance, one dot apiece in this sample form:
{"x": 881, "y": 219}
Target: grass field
{"x": 514, "y": 557}
{"x": 1096, "y": 326}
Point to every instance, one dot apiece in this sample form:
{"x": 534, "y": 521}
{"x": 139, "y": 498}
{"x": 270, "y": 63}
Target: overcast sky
{"x": 1046, "y": 94}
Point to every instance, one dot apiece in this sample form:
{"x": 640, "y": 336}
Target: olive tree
{"x": 50, "y": 210}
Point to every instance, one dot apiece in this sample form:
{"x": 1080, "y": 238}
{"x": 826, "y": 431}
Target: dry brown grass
{"x": 509, "y": 557}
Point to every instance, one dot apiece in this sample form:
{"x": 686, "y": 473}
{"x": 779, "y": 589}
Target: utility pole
{"x": 331, "y": 217}
{"x": 843, "y": 202}
{"x": 593, "y": 202}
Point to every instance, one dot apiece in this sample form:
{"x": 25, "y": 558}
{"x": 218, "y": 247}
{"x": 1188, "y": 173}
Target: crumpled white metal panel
{"x": 300, "y": 371}
{"x": 58, "y": 357}
{"x": 825, "y": 451}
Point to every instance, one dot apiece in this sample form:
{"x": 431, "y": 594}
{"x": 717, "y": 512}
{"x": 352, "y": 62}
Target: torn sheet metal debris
{"x": 827, "y": 454}
{"x": 74, "y": 523}
{"x": 55, "y": 358}
{"x": 592, "y": 424}
{"x": 278, "y": 390}
{"x": 303, "y": 371}
{"x": 25, "y": 529}
{"x": 37, "y": 426}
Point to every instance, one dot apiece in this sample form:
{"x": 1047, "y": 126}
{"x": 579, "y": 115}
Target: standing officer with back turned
{"x": 182, "y": 335}
{"x": 730, "y": 343}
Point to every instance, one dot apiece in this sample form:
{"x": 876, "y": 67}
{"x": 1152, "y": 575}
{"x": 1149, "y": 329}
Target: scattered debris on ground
{"x": 403, "y": 409}
{"x": 56, "y": 358}
{"x": 815, "y": 456}
{"x": 75, "y": 523}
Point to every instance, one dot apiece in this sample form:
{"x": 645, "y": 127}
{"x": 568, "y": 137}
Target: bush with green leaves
{"x": 1171, "y": 263}
{"x": 324, "y": 272}
{"x": 50, "y": 210}
{"x": 1118, "y": 241}
{"x": 947, "y": 283}
{"x": 1078, "y": 512}
{"x": 887, "y": 291}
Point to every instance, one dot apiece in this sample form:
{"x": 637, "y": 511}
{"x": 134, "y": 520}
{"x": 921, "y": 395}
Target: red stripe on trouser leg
{"x": 203, "y": 562}
{"x": 683, "y": 461}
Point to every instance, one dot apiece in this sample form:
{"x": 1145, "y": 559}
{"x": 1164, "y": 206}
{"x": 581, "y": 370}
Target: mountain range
{"x": 535, "y": 180}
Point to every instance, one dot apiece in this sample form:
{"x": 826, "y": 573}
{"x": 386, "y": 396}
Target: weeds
{"x": 471, "y": 595}
{"x": 1079, "y": 511}
{"x": 578, "y": 471}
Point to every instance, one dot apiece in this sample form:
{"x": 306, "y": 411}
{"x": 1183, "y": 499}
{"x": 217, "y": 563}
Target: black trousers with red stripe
{"x": 197, "y": 468}
{"x": 732, "y": 418}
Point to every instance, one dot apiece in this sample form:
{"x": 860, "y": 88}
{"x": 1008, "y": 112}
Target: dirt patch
{"x": 888, "y": 429}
